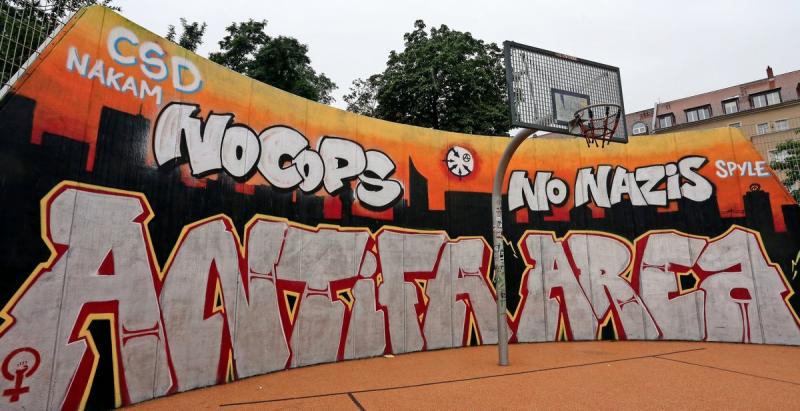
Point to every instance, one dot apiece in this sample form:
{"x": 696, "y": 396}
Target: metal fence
{"x": 778, "y": 141}
{"x": 27, "y": 25}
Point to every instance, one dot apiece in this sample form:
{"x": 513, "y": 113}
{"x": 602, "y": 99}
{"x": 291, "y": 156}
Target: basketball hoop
{"x": 597, "y": 122}
{"x": 548, "y": 88}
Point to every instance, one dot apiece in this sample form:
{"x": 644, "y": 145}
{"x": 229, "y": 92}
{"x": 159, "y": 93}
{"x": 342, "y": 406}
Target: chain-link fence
{"x": 26, "y": 26}
{"x": 779, "y": 142}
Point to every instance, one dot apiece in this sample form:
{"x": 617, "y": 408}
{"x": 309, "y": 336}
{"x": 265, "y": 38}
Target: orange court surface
{"x": 596, "y": 375}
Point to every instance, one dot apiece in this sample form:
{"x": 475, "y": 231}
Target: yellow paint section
{"x": 680, "y": 276}
{"x": 608, "y": 320}
{"x": 291, "y": 307}
{"x": 219, "y": 302}
{"x": 346, "y": 296}
{"x": 230, "y": 375}
{"x": 561, "y": 333}
{"x": 473, "y": 329}
{"x": 423, "y": 286}
{"x": 87, "y": 336}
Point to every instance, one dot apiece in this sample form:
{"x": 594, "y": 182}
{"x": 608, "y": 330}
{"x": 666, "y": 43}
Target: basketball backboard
{"x": 547, "y": 88}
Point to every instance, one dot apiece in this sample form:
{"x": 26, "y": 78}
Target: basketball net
{"x": 597, "y": 122}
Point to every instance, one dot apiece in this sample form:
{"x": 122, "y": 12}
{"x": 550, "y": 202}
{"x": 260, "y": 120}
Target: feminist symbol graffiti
{"x": 26, "y": 366}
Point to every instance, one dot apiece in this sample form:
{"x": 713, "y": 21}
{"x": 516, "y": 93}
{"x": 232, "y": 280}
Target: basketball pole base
{"x": 497, "y": 233}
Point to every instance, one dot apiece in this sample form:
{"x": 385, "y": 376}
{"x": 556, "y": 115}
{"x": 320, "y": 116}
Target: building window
{"x": 775, "y": 155}
{"x": 773, "y": 97}
{"x": 698, "y": 113}
{"x": 737, "y": 124}
{"x": 639, "y": 129}
{"x": 666, "y": 120}
{"x": 765, "y": 99}
{"x": 762, "y": 128}
{"x": 730, "y": 106}
{"x": 781, "y": 125}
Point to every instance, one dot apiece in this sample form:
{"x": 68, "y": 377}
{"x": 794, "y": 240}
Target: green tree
{"x": 240, "y": 45}
{"x": 362, "y": 99}
{"x": 61, "y": 8}
{"x": 191, "y": 34}
{"x": 788, "y": 162}
{"x": 445, "y": 79}
{"x": 279, "y": 61}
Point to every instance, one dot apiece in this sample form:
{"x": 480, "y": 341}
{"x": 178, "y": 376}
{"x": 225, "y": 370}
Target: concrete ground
{"x": 596, "y": 375}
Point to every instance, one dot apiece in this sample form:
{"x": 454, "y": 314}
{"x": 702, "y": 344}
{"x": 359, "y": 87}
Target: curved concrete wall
{"x": 170, "y": 224}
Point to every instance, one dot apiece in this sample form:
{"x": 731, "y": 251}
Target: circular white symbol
{"x": 460, "y": 161}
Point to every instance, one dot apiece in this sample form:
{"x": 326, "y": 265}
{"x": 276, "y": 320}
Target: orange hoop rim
{"x": 600, "y": 127}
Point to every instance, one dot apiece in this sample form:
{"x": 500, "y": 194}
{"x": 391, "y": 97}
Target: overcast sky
{"x": 664, "y": 49}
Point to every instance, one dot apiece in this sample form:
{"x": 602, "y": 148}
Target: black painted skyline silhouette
{"x": 29, "y": 171}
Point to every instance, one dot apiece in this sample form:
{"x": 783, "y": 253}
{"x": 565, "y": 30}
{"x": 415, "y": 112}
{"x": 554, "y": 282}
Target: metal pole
{"x": 497, "y": 224}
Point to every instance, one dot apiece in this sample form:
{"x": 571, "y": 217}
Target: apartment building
{"x": 766, "y": 110}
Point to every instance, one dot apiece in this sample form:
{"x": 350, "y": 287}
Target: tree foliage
{"x": 361, "y": 99}
{"x": 280, "y": 61}
{"x": 788, "y": 162}
{"x": 61, "y": 8}
{"x": 191, "y": 34}
{"x": 445, "y": 79}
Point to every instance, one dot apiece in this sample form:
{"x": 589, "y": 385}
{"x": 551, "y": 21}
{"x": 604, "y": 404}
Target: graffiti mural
{"x": 170, "y": 224}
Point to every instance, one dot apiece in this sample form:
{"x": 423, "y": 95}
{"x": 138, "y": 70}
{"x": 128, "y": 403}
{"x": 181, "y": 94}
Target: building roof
{"x": 787, "y": 84}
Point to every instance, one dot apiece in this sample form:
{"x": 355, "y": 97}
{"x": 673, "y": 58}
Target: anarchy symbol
{"x": 460, "y": 162}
